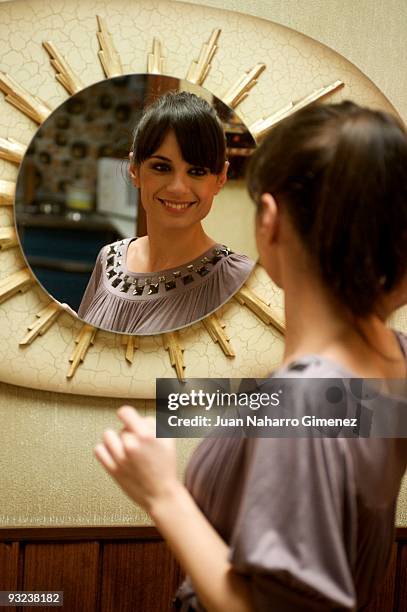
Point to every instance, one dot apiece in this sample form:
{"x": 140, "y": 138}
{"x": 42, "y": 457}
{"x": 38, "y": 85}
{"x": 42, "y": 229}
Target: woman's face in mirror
{"x": 174, "y": 193}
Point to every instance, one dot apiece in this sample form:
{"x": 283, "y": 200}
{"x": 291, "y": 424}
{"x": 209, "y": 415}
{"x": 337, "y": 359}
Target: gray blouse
{"x": 309, "y": 521}
{"x": 117, "y": 299}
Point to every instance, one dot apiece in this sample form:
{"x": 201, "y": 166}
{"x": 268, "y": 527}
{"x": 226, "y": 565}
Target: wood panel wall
{"x": 127, "y": 569}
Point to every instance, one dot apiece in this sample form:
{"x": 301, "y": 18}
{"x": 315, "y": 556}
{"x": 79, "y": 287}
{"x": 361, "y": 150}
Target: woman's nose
{"x": 178, "y": 183}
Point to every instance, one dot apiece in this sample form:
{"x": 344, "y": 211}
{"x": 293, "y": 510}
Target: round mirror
{"x": 144, "y": 244}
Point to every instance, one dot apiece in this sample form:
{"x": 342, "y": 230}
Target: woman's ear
{"x": 222, "y": 177}
{"x": 268, "y": 237}
{"x": 268, "y": 218}
{"x": 134, "y": 172}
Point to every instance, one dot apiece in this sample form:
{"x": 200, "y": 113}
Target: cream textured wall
{"x": 369, "y": 33}
{"x": 49, "y": 476}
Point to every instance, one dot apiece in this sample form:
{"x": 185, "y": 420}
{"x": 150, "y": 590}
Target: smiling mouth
{"x": 170, "y": 204}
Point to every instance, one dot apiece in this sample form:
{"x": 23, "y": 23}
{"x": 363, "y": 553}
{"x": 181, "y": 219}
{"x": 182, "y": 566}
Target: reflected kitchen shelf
{"x": 86, "y": 222}
{"x": 64, "y": 265}
{"x": 61, "y": 249}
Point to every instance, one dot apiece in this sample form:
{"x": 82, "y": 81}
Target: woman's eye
{"x": 198, "y": 171}
{"x": 161, "y": 167}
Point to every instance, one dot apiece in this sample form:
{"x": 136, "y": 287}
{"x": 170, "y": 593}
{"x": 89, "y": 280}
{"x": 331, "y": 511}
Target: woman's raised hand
{"x": 143, "y": 465}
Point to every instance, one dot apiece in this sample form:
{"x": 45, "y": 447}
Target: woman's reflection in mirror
{"x": 176, "y": 274}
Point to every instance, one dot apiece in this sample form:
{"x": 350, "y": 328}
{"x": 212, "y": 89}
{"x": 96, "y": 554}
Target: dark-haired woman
{"x": 299, "y": 523}
{"x": 176, "y": 274}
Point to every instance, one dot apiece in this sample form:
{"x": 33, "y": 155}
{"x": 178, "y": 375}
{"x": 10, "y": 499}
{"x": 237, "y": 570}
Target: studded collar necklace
{"x": 144, "y": 285}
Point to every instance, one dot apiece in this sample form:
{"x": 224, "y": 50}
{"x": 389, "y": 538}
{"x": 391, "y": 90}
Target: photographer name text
{"x": 256, "y": 421}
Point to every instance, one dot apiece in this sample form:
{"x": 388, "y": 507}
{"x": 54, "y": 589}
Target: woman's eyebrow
{"x": 160, "y": 157}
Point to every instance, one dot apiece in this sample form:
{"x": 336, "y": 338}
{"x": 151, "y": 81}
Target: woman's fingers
{"x": 120, "y": 452}
{"x": 132, "y": 421}
{"x": 130, "y": 444}
{"x": 103, "y": 455}
{"x": 141, "y": 464}
{"x": 114, "y": 445}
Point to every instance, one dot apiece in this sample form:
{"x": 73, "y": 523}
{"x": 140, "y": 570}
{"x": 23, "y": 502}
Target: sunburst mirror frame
{"x": 38, "y": 111}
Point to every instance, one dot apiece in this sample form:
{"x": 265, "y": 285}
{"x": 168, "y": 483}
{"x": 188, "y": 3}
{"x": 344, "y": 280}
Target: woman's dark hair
{"x": 340, "y": 171}
{"x": 197, "y": 127}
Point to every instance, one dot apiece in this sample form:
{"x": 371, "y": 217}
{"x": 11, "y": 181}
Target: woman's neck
{"x": 318, "y": 324}
{"x": 163, "y": 249}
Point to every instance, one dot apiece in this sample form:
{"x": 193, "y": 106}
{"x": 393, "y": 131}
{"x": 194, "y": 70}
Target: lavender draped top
{"x": 117, "y": 299}
{"x": 309, "y": 521}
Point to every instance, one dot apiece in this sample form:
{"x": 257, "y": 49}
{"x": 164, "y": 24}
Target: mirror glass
{"x": 120, "y": 263}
